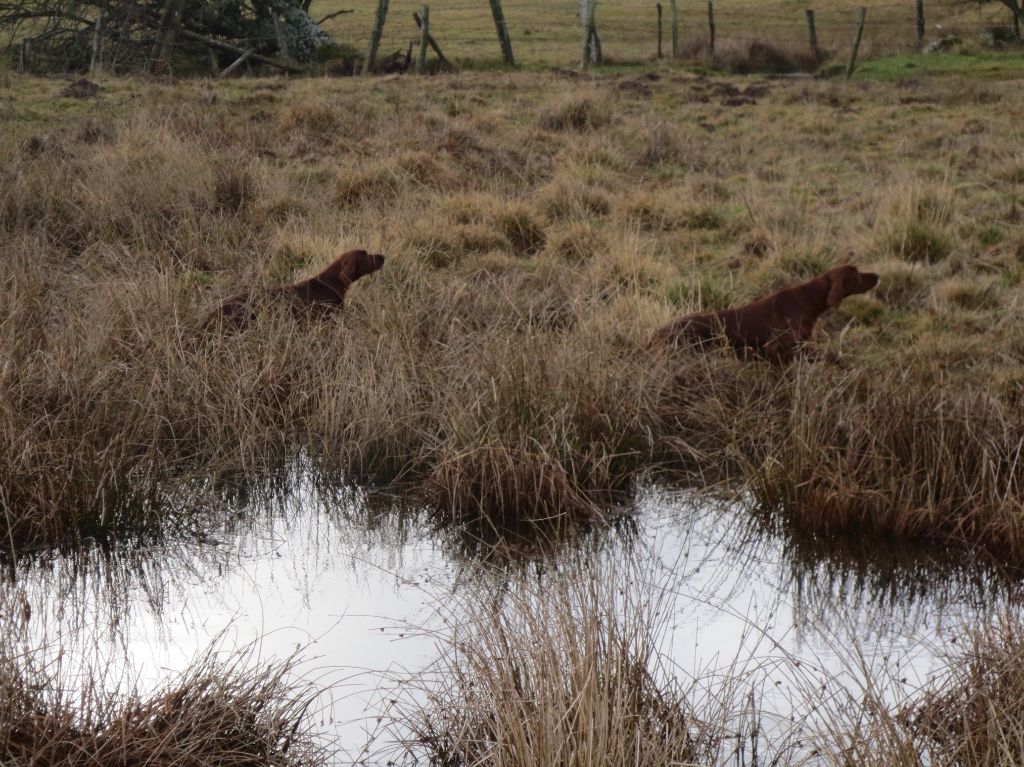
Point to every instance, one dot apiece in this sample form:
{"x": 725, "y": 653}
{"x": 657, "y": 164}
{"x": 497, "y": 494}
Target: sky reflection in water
{"x": 353, "y": 582}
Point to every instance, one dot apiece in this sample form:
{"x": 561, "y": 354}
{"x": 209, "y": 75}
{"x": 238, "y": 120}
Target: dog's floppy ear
{"x": 350, "y": 264}
{"x": 345, "y": 268}
{"x": 836, "y": 291}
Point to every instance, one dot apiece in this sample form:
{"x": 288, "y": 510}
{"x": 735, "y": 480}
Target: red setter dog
{"x": 325, "y": 291}
{"x": 774, "y": 326}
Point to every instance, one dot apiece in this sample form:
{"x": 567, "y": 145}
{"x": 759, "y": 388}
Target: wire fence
{"x": 545, "y": 33}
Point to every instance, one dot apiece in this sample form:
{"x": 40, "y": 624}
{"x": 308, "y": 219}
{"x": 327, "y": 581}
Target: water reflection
{"x": 355, "y": 579}
{"x": 896, "y": 585}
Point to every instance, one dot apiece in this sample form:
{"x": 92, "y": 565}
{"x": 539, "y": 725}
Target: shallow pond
{"x": 359, "y": 586}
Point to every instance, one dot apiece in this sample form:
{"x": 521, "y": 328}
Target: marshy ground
{"x": 538, "y": 227}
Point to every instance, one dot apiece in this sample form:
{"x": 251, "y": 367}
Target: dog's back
{"x": 325, "y": 291}
{"x": 775, "y": 325}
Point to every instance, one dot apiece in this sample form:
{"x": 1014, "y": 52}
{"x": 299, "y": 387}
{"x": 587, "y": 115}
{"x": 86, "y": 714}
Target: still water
{"x": 358, "y": 586}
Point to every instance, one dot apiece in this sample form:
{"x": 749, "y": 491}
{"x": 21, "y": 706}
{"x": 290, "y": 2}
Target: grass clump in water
{"x": 975, "y": 716}
{"x": 865, "y": 451}
{"x": 217, "y": 712}
{"x": 565, "y": 671}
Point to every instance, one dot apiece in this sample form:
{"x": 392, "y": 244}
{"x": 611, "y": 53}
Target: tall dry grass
{"x": 568, "y": 667}
{"x": 862, "y": 452}
{"x": 498, "y": 363}
{"x": 217, "y": 712}
{"x": 974, "y": 717}
{"x": 559, "y": 670}
{"x": 968, "y": 716}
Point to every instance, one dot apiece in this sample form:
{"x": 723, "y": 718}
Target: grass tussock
{"x": 762, "y": 57}
{"x": 974, "y": 717}
{"x": 920, "y": 242}
{"x": 576, "y": 113}
{"x": 969, "y": 715}
{"x": 865, "y": 452}
{"x": 565, "y": 671}
{"x": 217, "y": 712}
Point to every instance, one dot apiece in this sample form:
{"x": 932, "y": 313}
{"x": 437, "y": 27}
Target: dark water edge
{"x": 360, "y": 584}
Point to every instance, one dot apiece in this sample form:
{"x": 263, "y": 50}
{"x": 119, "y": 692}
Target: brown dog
{"x": 325, "y": 291}
{"x": 774, "y": 326}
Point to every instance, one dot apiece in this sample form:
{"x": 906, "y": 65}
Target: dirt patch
{"x": 726, "y": 94}
{"x": 81, "y": 89}
{"x": 634, "y": 87}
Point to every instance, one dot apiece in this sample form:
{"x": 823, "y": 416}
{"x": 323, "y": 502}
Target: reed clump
{"x": 565, "y": 671}
{"x": 216, "y": 712}
{"x": 975, "y": 716}
{"x": 968, "y": 715}
{"x": 861, "y": 452}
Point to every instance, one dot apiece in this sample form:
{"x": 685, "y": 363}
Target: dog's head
{"x": 846, "y": 281}
{"x": 352, "y": 265}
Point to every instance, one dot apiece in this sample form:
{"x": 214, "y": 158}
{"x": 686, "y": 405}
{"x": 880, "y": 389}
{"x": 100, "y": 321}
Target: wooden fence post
{"x": 282, "y": 41}
{"x": 595, "y": 41}
{"x": 675, "y": 28}
{"x": 163, "y": 47}
{"x": 812, "y": 31}
{"x": 378, "y": 30}
{"x": 920, "y": 21}
{"x": 658, "y": 5}
{"x": 503, "y": 36}
{"x": 432, "y": 42}
{"x": 586, "y": 8}
{"x": 165, "y": 17}
{"x": 25, "y": 56}
{"x": 711, "y": 27}
{"x": 421, "y": 59}
{"x": 214, "y": 63}
{"x": 856, "y": 42}
{"x": 96, "y": 63}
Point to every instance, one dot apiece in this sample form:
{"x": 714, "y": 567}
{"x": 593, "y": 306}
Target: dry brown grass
{"x": 968, "y": 716}
{"x": 974, "y": 717}
{"x": 498, "y": 362}
{"x": 862, "y": 452}
{"x": 559, "y": 671}
{"x": 216, "y": 712}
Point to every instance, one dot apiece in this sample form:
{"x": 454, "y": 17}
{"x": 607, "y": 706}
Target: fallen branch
{"x": 235, "y": 64}
{"x": 242, "y": 51}
{"x": 330, "y": 16}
